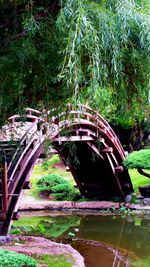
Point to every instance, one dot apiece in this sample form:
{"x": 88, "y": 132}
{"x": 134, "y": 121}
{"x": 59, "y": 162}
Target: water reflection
{"x": 130, "y": 233}
{"x": 104, "y": 241}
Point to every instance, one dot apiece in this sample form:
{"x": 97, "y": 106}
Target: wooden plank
{"x": 94, "y": 148}
{"x": 73, "y": 138}
{"x": 107, "y": 150}
{"x": 8, "y": 180}
{"x": 27, "y": 185}
{"x": 116, "y": 179}
{"x": 10, "y": 195}
{"x": 119, "y": 169}
{"x": 53, "y": 151}
{"x": 3, "y": 216}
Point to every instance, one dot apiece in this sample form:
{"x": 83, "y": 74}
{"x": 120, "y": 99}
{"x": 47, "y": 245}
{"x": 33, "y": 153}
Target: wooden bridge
{"x": 85, "y": 142}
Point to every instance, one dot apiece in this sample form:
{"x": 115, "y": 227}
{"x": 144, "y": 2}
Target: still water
{"x": 104, "y": 241}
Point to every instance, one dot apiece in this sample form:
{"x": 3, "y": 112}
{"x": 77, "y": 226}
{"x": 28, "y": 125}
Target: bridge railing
{"x": 54, "y": 116}
{"x": 81, "y": 112}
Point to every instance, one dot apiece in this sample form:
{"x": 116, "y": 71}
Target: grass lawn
{"x": 138, "y": 179}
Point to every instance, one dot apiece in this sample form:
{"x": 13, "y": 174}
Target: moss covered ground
{"x": 54, "y": 260}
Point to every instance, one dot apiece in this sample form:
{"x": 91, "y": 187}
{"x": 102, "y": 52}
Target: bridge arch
{"x": 85, "y": 142}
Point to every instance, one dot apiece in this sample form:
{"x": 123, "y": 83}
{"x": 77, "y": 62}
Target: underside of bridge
{"x": 92, "y": 172}
{"x": 85, "y": 142}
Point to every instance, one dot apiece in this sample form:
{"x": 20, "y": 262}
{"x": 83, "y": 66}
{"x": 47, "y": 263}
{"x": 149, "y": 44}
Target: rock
{"x": 145, "y": 191}
{"x": 4, "y": 239}
{"x": 96, "y": 205}
{"x": 128, "y": 199}
{"x": 16, "y": 239}
{"x": 139, "y": 197}
{"x": 129, "y": 219}
{"x": 147, "y": 217}
{"x": 137, "y": 201}
{"x": 39, "y": 245}
{"x": 8, "y": 238}
{"x": 146, "y": 201}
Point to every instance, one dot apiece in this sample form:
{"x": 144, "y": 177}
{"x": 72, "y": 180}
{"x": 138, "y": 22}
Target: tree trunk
{"x": 143, "y": 173}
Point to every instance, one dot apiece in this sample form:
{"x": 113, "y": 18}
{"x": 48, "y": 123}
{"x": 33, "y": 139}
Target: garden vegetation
{"x": 83, "y": 51}
{"x": 13, "y": 259}
{"x": 139, "y": 160}
{"x": 57, "y": 188}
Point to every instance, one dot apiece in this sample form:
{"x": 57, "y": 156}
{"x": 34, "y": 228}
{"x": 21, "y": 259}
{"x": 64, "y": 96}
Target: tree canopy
{"x": 83, "y": 51}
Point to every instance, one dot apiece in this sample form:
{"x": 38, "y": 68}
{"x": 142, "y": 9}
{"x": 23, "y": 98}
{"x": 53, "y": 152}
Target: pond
{"x": 103, "y": 240}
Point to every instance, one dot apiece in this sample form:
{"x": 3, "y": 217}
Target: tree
{"x": 29, "y": 58}
{"x": 81, "y": 51}
{"x": 139, "y": 160}
{"x": 105, "y": 48}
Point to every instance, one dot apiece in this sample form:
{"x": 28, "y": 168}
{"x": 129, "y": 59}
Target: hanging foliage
{"x": 94, "y": 52}
{"x": 105, "y": 48}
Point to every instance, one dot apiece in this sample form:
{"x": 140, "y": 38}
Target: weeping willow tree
{"x": 105, "y": 49}
{"x": 84, "y": 51}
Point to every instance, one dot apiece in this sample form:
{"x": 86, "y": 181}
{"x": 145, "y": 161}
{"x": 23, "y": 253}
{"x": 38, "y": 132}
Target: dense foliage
{"x": 138, "y": 159}
{"x": 13, "y": 259}
{"x": 94, "y": 52}
{"x": 57, "y": 187}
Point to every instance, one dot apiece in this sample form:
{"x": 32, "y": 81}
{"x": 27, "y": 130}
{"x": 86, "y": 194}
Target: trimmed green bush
{"x": 138, "y": 159}
{"x": 57, "y": 187}
{"x": 13, "y": 259}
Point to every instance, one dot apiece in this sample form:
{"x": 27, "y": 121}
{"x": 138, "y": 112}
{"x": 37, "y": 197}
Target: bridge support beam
{"x": 4, "y": 188}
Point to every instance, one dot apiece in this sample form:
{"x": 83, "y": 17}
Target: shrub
{"x": 138, "y": 159}
{"x": 56, "y": 186}
{"x": 13, "y": 259}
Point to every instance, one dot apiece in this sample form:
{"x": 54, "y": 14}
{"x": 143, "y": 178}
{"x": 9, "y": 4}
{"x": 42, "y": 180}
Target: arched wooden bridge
{"x": 83, "y": 139}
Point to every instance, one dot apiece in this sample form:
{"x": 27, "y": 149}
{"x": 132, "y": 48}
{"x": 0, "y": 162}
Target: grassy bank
{"x": 138, "y": 179}
{"x": 54, "y": 260}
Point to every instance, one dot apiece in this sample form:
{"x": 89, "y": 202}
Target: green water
{"x": 104, "y": 241}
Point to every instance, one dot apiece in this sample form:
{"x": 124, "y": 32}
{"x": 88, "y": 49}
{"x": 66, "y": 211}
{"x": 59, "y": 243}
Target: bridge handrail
{"x": 22, "y": 140}
{"x": 75, "y": 121}
{"x": 103, "y": 120}
{"x": 83, "y": 110}
{"x": 96, "y": 117}
{"x": 106, "y": 124}
{"x": 34, "y": 111}
{"x": 31, "y": 116}
{"x": 92, "y": 114}
{"x": 30, "y": 141}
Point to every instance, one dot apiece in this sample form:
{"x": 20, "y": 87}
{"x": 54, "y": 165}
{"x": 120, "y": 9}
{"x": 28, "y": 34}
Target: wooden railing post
{"x": 4, "y": 186}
